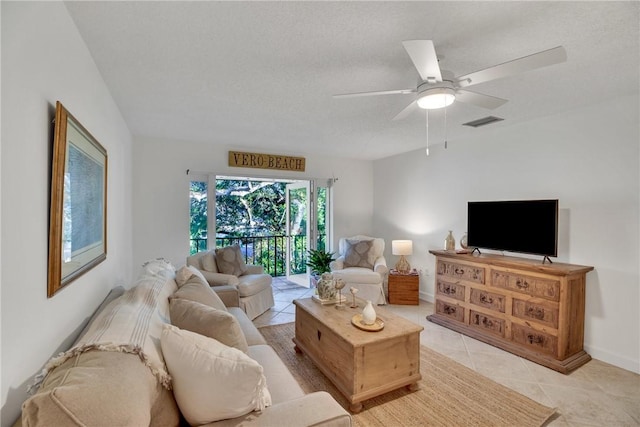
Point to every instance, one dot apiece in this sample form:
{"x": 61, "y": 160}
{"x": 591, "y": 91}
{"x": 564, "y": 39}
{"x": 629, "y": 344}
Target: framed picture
{"x": 78, "y": 216}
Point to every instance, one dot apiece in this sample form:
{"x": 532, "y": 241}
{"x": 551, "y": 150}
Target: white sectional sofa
{"x": 128, "y": 382}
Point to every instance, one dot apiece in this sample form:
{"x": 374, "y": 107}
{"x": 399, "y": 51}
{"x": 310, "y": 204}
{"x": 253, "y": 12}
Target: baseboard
{"x": 613, "y": 359}
{"x": 427, "y": 297}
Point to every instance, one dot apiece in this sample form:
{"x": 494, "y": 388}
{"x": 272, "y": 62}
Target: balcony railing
{"x": 268, "y": 251}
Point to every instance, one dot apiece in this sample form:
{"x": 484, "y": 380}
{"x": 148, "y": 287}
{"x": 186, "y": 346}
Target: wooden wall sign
{"x": 241, "y": 159}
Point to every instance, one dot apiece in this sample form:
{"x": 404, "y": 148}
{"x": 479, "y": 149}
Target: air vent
{"x": 483, "y": 121}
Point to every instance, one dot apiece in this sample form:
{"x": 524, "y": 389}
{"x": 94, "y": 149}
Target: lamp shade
{"x": 401, "y": 247}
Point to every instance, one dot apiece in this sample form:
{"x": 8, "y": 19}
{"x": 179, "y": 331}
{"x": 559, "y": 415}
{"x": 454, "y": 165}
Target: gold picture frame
{"x": 78, "y": 215}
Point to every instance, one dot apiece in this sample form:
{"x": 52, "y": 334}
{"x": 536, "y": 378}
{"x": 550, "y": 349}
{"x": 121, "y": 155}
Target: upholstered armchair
{"x": 361, "y": 264}
{"x": 228, "y": 275}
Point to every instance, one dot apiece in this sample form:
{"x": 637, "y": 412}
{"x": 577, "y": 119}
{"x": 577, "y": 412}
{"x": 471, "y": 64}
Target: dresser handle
{"x": 449, "y": 309}
{"x": 486, "y": 322}
{"x": 319, "y": 335}
{"x": 534, "y": 339}
{"x": 459, "y": 271}
{"x": 535, "y": 312}
{"x": 449, "y": 290}
{"x": 485, "y": 299}
{"x": 522, "y": 285}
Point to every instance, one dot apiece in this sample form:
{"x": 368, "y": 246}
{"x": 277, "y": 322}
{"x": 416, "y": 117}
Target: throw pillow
{"x": 208, "y": 261}
{"x": 359, "y": 253}
{"x": 230, "y": 260}
{"x": 182, "y": 275}
{"x": 185, "y": 274}
{"x": 197, "y": 275}
{"x": 210, "y": 322}
{"x": 194, "y": 290}
{"x": 97, "y": 388}
{"x": 211, "y": 381}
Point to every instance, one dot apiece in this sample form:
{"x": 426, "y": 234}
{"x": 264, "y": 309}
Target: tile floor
{"x": 596, "y": 394}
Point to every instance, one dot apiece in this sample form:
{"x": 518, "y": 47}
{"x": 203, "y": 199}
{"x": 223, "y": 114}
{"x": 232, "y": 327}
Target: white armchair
{"x": 252, "y": 287}
{"x": 361, "y": 264}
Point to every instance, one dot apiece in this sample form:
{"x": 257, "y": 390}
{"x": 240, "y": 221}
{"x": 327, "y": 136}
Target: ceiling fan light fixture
{"x": 437, "y": 97}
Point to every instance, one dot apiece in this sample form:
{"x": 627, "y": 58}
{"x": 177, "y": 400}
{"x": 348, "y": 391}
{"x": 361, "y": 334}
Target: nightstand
{"x": 404, "y": 288}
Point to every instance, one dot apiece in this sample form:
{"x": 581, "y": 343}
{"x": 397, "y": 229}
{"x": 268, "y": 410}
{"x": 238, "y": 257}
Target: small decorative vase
{"x": 463, "y": 241}
{"x": 450, "y": 242}
{"x": 326, "y": 289}
{"x": 369, "y": 314}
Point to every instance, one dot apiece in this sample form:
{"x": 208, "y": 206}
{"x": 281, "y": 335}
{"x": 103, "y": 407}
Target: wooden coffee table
{"x": 361, "y": 364}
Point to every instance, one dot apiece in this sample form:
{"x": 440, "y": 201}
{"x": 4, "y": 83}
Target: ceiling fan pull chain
{"x": 427, "y": 131}
{"x": 445, "y": 127}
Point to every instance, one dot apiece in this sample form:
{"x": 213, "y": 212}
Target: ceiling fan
{"x": 435, "y": 91}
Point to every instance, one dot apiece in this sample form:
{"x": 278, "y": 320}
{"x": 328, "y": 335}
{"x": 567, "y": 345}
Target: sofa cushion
{"x": 251, "y": 333}
{"x": 100, "y": 388}
{"x": 196, "y": 291}
{"x": 359, "y": 253}
{"x": 230, "y": 260}
{"x": 210, "y": 322}
{"x": 282, "y": 385}
{"x": 210, "y": 380}
{"x": 252, "y": 284}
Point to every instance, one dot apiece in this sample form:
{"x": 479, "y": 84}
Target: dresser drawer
{"x": 461, "y": 271}
{"x": 538, "y": 312}
{"x": 451, "y": 311}
{"x": 530, "y": 285}
{"x": 536, "y": 340}
{"x": 451, "y": 290}
{"x": 487, "y": 323}
{"x": 488, "y": 300}
{"x": 405, "y": 279}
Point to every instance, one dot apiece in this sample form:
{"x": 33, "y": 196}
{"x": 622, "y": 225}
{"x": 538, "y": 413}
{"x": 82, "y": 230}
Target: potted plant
{"x": 318, "y": 261}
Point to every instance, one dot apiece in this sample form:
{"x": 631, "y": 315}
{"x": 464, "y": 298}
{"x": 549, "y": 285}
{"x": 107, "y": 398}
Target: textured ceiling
{"x": 261, "y": 74}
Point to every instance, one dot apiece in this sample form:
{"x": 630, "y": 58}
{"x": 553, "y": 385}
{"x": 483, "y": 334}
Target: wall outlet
{"x": 422, "y": 271}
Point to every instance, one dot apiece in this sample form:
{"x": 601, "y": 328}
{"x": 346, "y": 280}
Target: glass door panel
{"x": 298, "y": 210}
{"x": 323, "y": 215}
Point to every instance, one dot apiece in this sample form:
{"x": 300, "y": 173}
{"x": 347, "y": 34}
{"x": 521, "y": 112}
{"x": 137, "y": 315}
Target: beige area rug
{"x": 450, "y": 394}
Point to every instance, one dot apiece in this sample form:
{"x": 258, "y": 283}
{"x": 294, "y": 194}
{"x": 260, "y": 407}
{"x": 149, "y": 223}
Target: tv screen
{"x": 524, "y": 226}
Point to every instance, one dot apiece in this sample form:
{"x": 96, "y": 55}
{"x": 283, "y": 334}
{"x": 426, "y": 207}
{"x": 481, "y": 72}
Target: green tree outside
{"x": 247, "y": 209}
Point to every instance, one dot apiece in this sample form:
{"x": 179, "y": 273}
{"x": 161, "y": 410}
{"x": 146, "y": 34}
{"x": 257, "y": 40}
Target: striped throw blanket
{"x": 131, "y": 323}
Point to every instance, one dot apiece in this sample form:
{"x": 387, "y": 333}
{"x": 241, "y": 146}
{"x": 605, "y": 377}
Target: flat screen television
{"x": 523, "y": 226}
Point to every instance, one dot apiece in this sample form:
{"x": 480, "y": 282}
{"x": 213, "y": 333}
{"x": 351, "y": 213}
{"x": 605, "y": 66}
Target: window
{"x": 198, "y": 216}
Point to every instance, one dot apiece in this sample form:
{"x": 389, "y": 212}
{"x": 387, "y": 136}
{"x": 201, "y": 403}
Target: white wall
{"x": 44, "y": 59}
{"x": 161, "y": 192}
{"x": 587, "y": 158}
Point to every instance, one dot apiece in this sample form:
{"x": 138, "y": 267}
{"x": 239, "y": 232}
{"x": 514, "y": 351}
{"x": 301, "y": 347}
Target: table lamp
{"x": 402, "y": 248}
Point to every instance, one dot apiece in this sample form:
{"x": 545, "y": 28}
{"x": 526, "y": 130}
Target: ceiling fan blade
{"x": 380, "y": 92}
{"x": 479, "y": 99}
{"x": 407, "y": 110}
{"x": 423, "y": 55}
{"x": 520, "y": 65}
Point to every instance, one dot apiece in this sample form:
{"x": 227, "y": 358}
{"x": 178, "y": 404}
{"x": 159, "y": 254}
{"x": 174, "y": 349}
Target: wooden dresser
{"x": 525, "y": 307}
